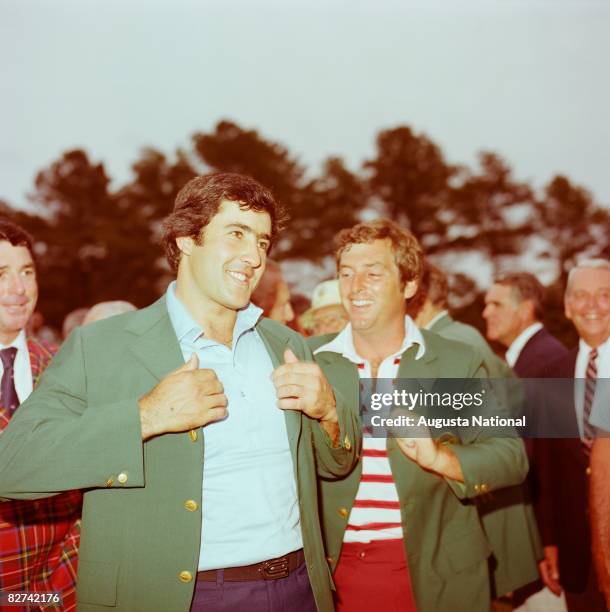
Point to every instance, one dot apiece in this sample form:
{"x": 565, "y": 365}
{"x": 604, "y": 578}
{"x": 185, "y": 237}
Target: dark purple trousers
{"x": 290, "y": 594}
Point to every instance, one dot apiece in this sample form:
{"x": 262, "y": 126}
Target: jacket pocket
{"x": 470, "y": 548}
{"x": 97, "y": 583}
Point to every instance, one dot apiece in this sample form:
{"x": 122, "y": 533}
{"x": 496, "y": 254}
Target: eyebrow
{"x": 367, "y": 265}
{"x": 248, "y": 230}
{"x": 29, "y": 266}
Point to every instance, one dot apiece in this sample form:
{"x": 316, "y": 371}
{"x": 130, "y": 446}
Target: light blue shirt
{"x": 250, "y": 509}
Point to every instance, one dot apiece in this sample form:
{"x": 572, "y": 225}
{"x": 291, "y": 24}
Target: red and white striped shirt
{"x": 375, "y": 514}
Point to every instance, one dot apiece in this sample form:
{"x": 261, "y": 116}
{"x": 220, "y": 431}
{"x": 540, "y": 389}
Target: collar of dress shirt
{"x": 344, "y": 342}
{"x": 514, "y": 350}
{"x": 187, "y": 330}
{"x": 20, "y": 342}
{"x": 603, "y": 350}
{"x": 438, "y": 317}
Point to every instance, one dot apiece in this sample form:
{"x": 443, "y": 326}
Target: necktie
{"x": 590, "y": 382}
{"x": 8, "y": 397}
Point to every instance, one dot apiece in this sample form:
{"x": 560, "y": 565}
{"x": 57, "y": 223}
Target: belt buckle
{"x": 275, "y": 568}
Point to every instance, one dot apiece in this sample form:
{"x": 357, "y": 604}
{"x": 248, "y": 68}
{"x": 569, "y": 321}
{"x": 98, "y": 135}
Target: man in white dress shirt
{"x": 567, "y": 470}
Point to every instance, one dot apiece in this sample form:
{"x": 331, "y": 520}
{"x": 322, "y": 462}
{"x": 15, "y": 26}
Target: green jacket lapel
{"x": 338, "y": 368}
{"x": 276, "y": 344}
{"x": 423, "y": 370}
{"x": 155, "y": 345}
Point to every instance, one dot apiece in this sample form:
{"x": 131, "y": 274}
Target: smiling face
{"x": 219, "y": 274}
{"x": 18, "y": 290}
{"x": 370, "y": 287}
{"x": 587, "y": 304}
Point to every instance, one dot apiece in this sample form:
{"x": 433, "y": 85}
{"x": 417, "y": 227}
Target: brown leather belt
{"x": 266, "y": 570}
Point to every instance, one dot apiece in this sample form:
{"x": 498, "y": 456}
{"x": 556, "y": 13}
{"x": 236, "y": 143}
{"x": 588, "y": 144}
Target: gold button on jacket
{"x": 191, "y": 505}
{"x": 185, "y": 576}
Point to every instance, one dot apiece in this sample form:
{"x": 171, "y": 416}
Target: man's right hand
{"x": 185, "y": 399}
{"x": 549, "y": 569}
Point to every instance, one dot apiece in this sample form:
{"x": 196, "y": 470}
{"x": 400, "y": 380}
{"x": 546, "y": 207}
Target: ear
{"x": 410, "y": 289}
{"x": 185, "y": 244}
{"x": 527, "y": 310}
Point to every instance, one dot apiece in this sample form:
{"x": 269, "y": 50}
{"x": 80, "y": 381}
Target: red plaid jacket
{"x": 39, "y": 539}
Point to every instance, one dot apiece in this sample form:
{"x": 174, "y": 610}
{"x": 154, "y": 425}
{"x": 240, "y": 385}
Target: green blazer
{"x": 508, "y": 516}
{"x": 445, "y": 544}
{"x": 142, "y": 506}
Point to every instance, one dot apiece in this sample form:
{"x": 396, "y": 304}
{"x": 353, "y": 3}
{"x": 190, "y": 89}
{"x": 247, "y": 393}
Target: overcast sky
{"x": 528, "y": 79}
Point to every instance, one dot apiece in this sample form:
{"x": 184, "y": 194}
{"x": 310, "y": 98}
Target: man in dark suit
{"x": 566, "y": 468}
{"x": 513, "y": 314}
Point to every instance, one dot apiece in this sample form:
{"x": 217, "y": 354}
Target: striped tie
{"x": 591, "y": 381}
{"x": 8, "y": 394}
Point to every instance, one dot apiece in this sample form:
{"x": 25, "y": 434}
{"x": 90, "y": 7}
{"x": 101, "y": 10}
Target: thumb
{"x": 290, "y": 357}
{"x": 554, "y": 571}
{"x": 191, "y": 364}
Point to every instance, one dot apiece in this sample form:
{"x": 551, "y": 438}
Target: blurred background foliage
{"x": 96, "y": 242}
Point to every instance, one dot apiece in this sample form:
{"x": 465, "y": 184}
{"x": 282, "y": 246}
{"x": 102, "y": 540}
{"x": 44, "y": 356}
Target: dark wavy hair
{"x": 17, "y": 236}
{"x": 199, "y": 200}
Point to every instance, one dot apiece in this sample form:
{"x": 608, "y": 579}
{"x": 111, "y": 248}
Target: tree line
{"x": 98, "y": 243}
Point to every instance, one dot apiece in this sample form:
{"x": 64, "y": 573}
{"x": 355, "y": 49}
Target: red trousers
{"x": 374, "y": 576}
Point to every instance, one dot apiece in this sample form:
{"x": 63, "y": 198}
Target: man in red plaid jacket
{"x": 38, "y": 539}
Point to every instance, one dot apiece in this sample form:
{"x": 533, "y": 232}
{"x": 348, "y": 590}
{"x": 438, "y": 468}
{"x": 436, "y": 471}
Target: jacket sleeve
{"x": 489, "y": 463}
{"x": 58, "y": 441}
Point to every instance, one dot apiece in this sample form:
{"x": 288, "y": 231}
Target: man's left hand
{"x": 430, "y": 455}
{"x": 302, "y": 386}
{"x": 424, "y": 451}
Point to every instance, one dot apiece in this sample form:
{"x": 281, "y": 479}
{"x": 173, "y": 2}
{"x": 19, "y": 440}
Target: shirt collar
{"x": 20, "y": 342}
{"x": 438, "y": 317}
{"x": 187, "y": 330}
{"x": 344, "y": 342}
{"x": 602, "y": 349}
{"x": 514, "y": 350}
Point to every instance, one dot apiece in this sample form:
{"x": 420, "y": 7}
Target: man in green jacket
{"x": 402, "y": 531}
{"x": 195, "y": 427}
